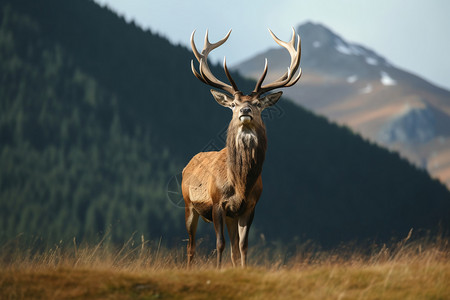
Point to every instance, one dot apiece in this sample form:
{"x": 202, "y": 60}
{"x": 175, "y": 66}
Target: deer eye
{"x": 258, "y": 104}
{"x": 233, "y": 105}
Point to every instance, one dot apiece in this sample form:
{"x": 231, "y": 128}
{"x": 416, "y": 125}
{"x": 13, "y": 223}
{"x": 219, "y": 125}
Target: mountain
{"x": 355, "y": 87}
{"x": 98, "y": 118}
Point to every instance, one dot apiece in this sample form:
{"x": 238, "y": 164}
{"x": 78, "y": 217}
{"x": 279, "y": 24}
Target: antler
{"x": 206, "y": 76}
{"x": 288, "y": 78}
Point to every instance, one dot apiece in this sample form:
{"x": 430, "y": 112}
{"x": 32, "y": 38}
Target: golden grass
{"x": 406, "y": 270}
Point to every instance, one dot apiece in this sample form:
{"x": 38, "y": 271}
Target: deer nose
{"x": 246, "y": 110}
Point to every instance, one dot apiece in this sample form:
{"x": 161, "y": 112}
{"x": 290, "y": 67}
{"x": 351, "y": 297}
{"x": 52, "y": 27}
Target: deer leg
{"x": 244, "y": 224}
{"x": 191, "y": 226}
{"x": 232, "y": 226}
{"x": 218, "y": 220}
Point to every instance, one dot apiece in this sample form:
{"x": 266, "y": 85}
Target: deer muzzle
{"x": 245, "y": 114}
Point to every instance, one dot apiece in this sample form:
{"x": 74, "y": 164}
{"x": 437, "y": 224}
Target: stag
{"x": 224, "y": 186}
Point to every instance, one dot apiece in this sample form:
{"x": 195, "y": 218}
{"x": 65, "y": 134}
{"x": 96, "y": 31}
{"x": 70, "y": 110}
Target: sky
{"x": 413, "y": 35}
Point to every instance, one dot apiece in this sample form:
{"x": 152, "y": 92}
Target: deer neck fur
{"x": 246, "y": 149}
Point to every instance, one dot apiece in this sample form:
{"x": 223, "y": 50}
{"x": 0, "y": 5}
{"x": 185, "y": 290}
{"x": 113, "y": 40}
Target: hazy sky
{"x": 412, "y": 34}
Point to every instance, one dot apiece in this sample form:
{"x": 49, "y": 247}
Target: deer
{"x": 223, "y": 187}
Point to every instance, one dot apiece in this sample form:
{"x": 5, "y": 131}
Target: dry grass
{"x": 406, "y": 270}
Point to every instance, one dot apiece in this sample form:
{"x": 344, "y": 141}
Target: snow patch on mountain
{"x": 346, "y": 48}
{"x": 371, "y": 61}
{"x": 386, "y": 79}
{"x": 352, "y": 79}
{"x": 342, "y": 47}
{"x": 366, "y": 90}
{"x": 352, "y": 49}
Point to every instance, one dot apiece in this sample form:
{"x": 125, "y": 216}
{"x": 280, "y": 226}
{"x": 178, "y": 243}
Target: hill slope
{"x": 97, "y": 117}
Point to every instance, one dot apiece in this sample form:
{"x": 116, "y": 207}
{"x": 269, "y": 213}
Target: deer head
{"x": 247, "y": 108}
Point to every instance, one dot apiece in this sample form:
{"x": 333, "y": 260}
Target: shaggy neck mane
{"x": 246, "y": 147}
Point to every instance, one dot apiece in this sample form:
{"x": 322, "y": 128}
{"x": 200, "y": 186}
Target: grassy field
{"x": 406, "y": 270}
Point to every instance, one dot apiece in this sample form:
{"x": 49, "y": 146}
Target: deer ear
{"x": 270, "y": 99}
{"x": 221, "y": 98}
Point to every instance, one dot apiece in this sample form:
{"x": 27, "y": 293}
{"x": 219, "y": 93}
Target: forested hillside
{"x": 64, "y": 149}
{"x": 97, "y": 116}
